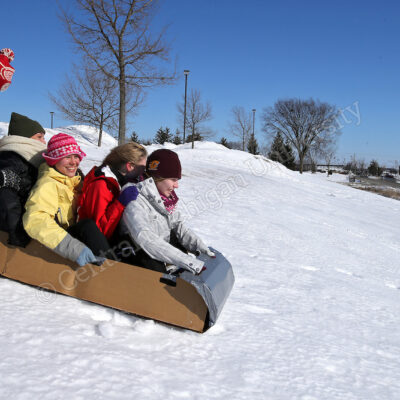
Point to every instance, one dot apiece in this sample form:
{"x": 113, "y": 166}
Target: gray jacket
{"x": 149, "y": 224}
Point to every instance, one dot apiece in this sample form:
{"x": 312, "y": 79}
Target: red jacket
{"x": 99, "y": 200}
{"x": 6, "y": 73}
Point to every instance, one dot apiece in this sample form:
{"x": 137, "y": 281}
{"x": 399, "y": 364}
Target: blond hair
{"x": 124, "y": 153}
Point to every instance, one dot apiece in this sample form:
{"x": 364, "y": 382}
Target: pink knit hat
{"x": 60, "y": 146}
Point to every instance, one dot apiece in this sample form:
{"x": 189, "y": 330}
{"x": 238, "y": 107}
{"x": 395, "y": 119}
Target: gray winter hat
{"x": 20, "y": 125}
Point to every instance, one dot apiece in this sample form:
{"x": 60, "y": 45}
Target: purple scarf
{"x": 170, "y": 202}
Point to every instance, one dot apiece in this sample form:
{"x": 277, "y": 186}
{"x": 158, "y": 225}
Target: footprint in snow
{"x": 105, "y": 329}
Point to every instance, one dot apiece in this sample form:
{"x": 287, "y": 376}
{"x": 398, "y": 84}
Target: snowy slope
{"x": 314, "y": 313}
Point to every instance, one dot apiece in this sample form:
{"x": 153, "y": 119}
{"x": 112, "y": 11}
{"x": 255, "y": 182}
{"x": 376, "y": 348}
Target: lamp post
{"x": 254, "y": 115}
{"x": 186, "y": 72}
{"x": 51, "y": 113}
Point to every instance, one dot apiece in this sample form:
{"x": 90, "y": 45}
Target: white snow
{"x": 314, "y": 313}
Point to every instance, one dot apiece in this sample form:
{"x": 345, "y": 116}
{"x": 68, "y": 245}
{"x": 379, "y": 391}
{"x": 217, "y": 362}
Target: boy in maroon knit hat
{"x": 154, "y": 224}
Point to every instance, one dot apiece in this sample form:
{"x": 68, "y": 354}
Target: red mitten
{"x": 6, "y": 70}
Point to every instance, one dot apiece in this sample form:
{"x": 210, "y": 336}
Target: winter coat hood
{"x": 97, "y": 173}
{"x": 99, "y": 200}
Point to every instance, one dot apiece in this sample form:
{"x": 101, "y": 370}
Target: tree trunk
{"x": 301, "y": 162}
{"x": 100, "y": 133}
{"x": 122, "y": 108}
{"x": 193, "y": 130}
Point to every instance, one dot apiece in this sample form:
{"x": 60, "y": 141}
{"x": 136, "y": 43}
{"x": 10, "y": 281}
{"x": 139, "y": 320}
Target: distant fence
{"x": 309, "y": 166}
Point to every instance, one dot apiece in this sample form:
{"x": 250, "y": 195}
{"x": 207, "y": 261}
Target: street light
{"x": 51, "y": 113}
{"x": 254, "y": 114}
{"x": 186, "y": 72}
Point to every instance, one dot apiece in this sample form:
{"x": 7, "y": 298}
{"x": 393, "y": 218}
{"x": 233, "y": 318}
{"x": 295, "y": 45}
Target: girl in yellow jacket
{"x": 50, "y": 214}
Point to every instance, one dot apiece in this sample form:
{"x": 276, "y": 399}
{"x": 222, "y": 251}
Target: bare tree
{"x": 90, "y": 98}
{"x": 329, "y": 154}
{"x": 241, "y": 125}
{"x": 362, "y": 167}
{"x": 115, "y": 35}
{"x": 301, "y": 122}
{"x": 323, "y": 148}
{"x": 196, "y": 114}
{"x": 311, "y": 159}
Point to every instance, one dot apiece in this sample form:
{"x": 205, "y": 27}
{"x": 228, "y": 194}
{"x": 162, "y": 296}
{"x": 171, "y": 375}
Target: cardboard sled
{"x": 195, "y": 302}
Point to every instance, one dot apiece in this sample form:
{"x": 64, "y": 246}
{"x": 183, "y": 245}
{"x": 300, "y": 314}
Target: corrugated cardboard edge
{"x": 114, "y": 284}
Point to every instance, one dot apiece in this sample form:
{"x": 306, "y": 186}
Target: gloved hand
{"x": 210, "y": 253}
{"x": 171, "y": 269}
{"x": 127, "y": 195}
{"x": 86, "y": 256}
{"x": 8, "y": 178}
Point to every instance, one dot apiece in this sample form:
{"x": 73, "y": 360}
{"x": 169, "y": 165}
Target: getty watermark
{"x": 345, "y": 116}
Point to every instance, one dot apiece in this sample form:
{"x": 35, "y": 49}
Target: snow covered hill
{"x": 314, "y": 313}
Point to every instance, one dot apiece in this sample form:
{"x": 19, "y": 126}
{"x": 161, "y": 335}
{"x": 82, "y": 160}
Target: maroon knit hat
{"x": 60, "y": 146}
{"x": 164, "y": 163}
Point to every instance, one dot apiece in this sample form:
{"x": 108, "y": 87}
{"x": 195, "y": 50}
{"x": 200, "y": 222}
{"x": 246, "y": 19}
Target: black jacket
{"x": 17, "y": 177}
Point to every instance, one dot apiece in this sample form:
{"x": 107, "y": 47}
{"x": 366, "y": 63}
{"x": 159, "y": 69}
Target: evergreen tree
{"x": 252, "y": 145}
{"x": 134, "y": 137}
{"x": 282, "y": 152}
{"x": 177, "y": 139}
{"x": 197, "y": 137}
{"x": 277, "y": 152}
{"x": 224, "y": 142}
{"x": 163, "y": 135}
{"x": 374, "y": 168}
{"x": 290, "y": 158}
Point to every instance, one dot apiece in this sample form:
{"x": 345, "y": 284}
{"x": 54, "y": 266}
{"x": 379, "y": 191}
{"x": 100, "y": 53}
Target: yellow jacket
{"x": 51, "y": 209}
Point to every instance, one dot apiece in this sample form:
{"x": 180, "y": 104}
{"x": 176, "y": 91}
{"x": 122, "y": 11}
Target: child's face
{"x": 167, "y": 186}
{"x": 68, "y": 165}
{"x": 39, "y": 137}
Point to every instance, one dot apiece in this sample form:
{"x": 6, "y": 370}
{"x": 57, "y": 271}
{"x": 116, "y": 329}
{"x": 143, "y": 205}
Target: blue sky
{"x": 239, "y": 53}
